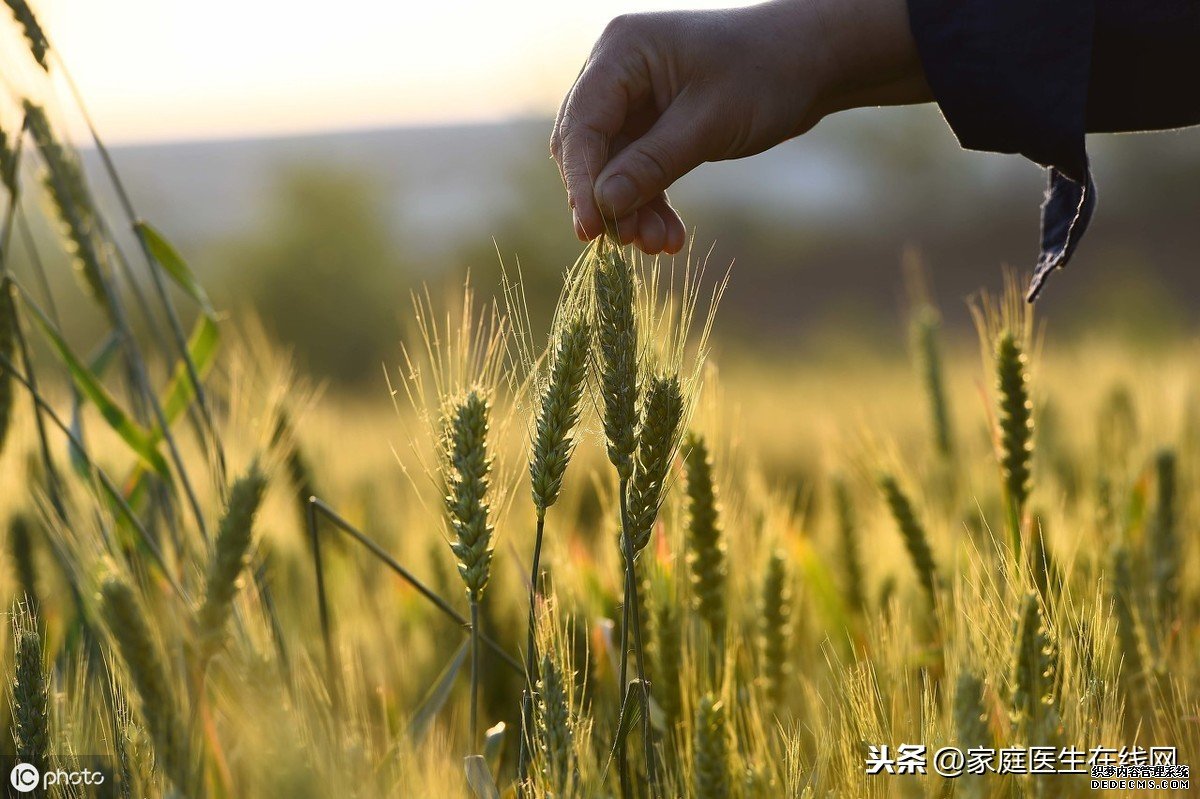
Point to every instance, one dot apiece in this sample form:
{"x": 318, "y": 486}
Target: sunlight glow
{"x": 169, "y": 69}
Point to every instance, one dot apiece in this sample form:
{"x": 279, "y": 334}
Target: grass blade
{"x": 173, "y": 264}
{"x": 137, "y": 437}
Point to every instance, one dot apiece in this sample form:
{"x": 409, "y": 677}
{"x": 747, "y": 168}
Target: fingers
{"x": 660, "y": 230}
{"x": 652, "y": 231}
{"x": 676, "y": 232}
{"x": 610, "y": 114}
{"x": 593, "y": 113}
{"x": 645, "y": 168}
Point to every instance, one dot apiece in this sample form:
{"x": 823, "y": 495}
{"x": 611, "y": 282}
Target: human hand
{"x": 662, "y": 93}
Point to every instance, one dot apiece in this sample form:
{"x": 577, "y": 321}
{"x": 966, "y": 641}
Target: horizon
{"x": 253, "y": 136}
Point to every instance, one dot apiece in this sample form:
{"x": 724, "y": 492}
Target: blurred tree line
{"x": 331, "y": 270}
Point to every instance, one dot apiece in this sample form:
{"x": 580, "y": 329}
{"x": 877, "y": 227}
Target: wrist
{"x": 864, "y": 53}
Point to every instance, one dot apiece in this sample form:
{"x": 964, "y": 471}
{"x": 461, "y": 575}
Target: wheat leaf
{"x": 137, "y": 437}
{"x": 172, "y": 262}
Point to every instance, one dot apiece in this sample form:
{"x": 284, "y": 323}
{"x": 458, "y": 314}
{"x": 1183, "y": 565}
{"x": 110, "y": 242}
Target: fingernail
{"x": 617, "y": 194}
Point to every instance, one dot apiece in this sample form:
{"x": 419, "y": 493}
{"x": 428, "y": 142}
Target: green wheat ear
{"x": 39, "y": 47}
{"x": 1163, "y": 539}
{"x": 926, "y": 325}
{"x": 970, "y": 715}
{"x": 68, "y": 191}
{"x": 704, "y": 536}
{"x": 558, "y": 411}
{"x": 31, "y": 696}
{"x": 916, "y": 541}
{"x": 1034, "y": 666}
{"x": 552, "y": 723}
{"x": 711, "y": 753}
{"x": 847, "y": 525}
{"x": 21, "y": 550}
{"x": 658, "y": 442}
{"x": 123, "y": 614}
{"x": 1132, "y": 646}
{"x": 970, "y": 729}
{"x": 1015, "y": 417}
{"x": 775, "y": 627}
{"x": 616, "y": 353}
{"x": 299, "y": 469}
{"x": 228, "y": 560}
{"x": 467, "y": 474}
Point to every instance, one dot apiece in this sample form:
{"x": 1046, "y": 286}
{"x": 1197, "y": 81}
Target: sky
{"x": 154, "y": 70}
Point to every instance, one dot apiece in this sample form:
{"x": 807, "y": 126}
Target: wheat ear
{"x": 227, "y": 562}
{"x": 847, "y": 526}
{"x": 916, "y": 541}
{"x": 467, "y": 470}
{"x": 135, "y": 641}
{"x": 39, "y": 47}
{"x": 1164, "y": 539}
{"x": 31, "y": 696}
{"x": 705, "y": 538}
{"x": 775, "y": 627}
{"x": 711, "y": 753}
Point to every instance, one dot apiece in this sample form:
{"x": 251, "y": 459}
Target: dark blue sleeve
{"x": 1034, "y": 76}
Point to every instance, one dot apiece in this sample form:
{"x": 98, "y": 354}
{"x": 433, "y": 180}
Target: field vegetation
{"x": 606, "y": 561}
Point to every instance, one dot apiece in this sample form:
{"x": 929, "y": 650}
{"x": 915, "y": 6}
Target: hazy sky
{"x": 161, "y": 69}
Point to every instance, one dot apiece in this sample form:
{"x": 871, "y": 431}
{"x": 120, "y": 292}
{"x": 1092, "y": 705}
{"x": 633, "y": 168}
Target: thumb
{"x": 674, "y": 146}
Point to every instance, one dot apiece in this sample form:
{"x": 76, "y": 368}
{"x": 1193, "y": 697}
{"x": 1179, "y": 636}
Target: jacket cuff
{"x": 1012, "y": 76}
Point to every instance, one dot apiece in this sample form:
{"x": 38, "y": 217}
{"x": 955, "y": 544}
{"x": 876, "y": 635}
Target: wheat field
{"x": 616, "y": 560}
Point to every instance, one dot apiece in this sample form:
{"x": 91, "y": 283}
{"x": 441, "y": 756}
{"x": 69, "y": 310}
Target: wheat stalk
{"x": 227, "y": 561}
{"x": 916, "y": 541}
{"x": 926, "y": 325}
{"x": 21, "y": 549}
{"x": 1130, "y": 640}
{"x": 617, "y": 369}
{"x": 466, "y": 473}
{"x": 847, "y": 526}
{"x": 553, "y": 444}
{"x": 1034, "y": 669}
{"x": 970, "y": 720}
{"x": 1015, "y": 419}
{"x": 705, "y": 538}
{"x": 1005, "y": 328}
{"x": 552, "y": 718}
{"x": 616, "y": 353}
{"x": 68, "y": 190}
{"x": 558, "y": 411}
{"x": 130, "y": 629}
{"x": 658, "y": 443}
{"x": 30, "y": 693}
{"x": 775, "y": 627}
{"x": 711, "y": 755}
{"x": 1164, "y": 540}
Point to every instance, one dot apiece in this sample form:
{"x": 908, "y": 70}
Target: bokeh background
{"x": 317, "y": 161}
